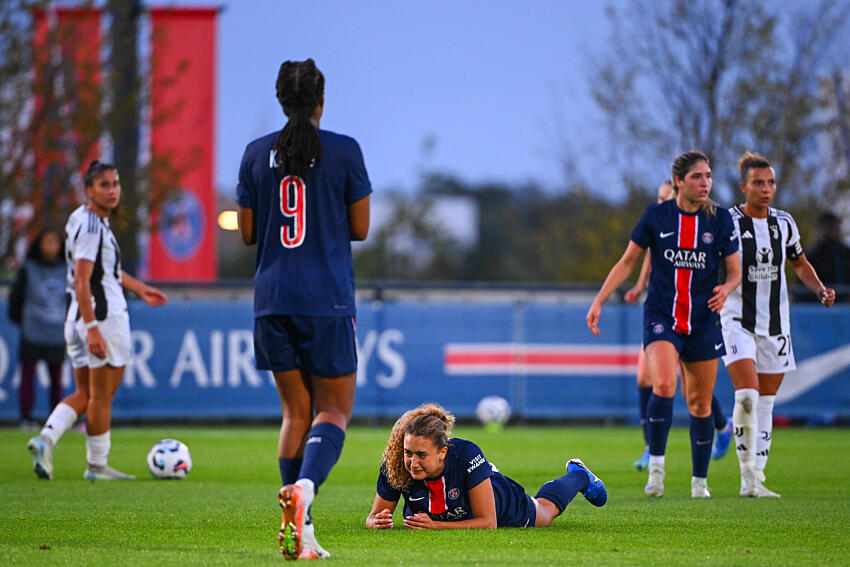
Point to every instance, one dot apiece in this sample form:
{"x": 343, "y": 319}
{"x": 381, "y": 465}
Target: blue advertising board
{"x": 194, "y": 359}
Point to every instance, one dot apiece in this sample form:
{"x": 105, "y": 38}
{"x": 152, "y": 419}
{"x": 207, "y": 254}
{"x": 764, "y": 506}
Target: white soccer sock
{"x": 765, "y": 430}
{"x": 97, "y": 449}
{"x": 309, "y": 491}
{"x": 61, "y": 419}
{"x": 745, "y": 421}
{"x": 656, "y": 460}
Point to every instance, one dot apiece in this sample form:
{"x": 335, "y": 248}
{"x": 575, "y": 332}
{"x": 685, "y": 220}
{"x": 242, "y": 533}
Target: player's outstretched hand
{"x": 383, "y": 520}
{"x": 826, "y": 295}
{"x": 721, "y": 292}
{"x": 153, "y": 296}
{"x": 633, "y": 294}
{"x": 420, "y": 521}
{"x": 593, "y": 315}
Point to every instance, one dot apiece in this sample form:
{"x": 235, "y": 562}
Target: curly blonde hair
{"x": 428, "y": 420}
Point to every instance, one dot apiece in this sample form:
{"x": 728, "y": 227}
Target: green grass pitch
{"x": 226, "y": 513}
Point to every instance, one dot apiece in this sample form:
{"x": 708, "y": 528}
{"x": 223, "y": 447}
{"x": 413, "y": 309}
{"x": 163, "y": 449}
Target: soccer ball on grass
{"x": 493, "y": 411}
{"x": 169, "y": 458}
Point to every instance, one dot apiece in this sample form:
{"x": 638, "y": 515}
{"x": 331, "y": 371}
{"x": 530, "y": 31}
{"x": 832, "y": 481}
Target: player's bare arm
{"x": 381, "y": 516}
{"x": 483, "y": 503}
{"x": 247, "y": 228}
{"x": 733, "y": 279}
{"x": 82, "y": 288}
{"x": 358, "y": 219}
{"x": 618, "y": 274}
{"x": 806, "y": 272}
{"x": 151, "y": 295}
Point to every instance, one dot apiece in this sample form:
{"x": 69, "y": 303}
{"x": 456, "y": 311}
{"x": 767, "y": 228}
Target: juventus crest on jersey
{"x": 760, "y": 304}
{"x": 89, "y": 237}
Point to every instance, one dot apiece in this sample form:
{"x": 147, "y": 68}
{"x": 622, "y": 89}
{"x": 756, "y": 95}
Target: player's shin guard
{"x": 321, "y": 452}
{"x": 702, "y": 435}
{"x": 659, "y": 417}
{"x": 765, "y": 430}
{"x": 561, "y": 491}
{"x": 289, "y": 469}
{"x": 643, "y": 400}
{"x": 744, "y": 420}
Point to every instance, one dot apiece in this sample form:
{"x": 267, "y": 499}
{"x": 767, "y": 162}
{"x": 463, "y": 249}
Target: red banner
{"x": 183, "y": 54}
{"x": 66, "y": 117}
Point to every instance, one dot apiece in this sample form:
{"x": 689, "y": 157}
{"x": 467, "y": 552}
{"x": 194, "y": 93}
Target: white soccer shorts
{"x": 116, "y": 334}
{"x": 772, "y": 355}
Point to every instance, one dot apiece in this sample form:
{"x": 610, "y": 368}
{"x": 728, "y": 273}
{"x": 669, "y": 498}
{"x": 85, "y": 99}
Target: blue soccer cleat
{"x": 42, "y": 457}
{"x": 721, "y": 440}
{"x": 595, "y": 493}
{"x": 643, "y": 463}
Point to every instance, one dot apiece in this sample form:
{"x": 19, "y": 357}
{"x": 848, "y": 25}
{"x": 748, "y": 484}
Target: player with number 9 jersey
{"x": 304, "y": 262}
{"x": 303, "y": 196}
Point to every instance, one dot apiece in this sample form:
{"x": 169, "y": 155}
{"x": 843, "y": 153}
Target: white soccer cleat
{"x": 655, "y": 484}
{"x": 105, "y": 472}
{"x": 752, "y": 487}
{"x": 310, "y": 546}
{"x": 699, "y": 488}
{"x": 42, "y": 456}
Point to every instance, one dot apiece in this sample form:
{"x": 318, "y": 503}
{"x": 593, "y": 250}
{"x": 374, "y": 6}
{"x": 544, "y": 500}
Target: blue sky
{"x": 485, "y": 84}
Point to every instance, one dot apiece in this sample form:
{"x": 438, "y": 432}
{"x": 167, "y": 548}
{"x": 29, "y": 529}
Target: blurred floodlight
{"x": 228, "y": 220}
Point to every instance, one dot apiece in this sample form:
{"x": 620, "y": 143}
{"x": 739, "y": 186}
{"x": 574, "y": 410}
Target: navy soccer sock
{"x": 643, "y": 394}
{"x": 659, "y": 417}
{"x": 289, "y": 469}
{"x": 702, "y": 435}
{"x": 324, "y": 445}
{"x": 562, "y": 490}
{"x": 717, "y": 414}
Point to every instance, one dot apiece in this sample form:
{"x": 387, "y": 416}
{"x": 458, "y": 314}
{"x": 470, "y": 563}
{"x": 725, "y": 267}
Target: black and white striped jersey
{"x": 89, "y": 237}
{"x": 760, "y": 304}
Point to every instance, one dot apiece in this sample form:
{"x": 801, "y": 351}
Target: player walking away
{"x": 722, "y": 424}
{"x": 756, "y": 324}
{"x": 303, "y": 196}
{"x": 688, "y": 237}
{"x": 97, "y": 327}
{"x": 448, "y": 484}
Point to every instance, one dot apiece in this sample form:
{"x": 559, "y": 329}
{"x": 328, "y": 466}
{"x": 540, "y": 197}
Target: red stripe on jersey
{"x": 683, "y": 276}
{"x": 437, "y": 502}
{"x": 687, "y": 231}
{"x": 682, "y": 302}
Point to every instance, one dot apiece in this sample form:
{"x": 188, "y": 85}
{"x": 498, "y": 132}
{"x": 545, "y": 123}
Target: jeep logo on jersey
{"x": 182, "y": 225}
{"x": 453, "y": 493}
{"x": 765, "y": 255}
{"x": 707, "y": 237}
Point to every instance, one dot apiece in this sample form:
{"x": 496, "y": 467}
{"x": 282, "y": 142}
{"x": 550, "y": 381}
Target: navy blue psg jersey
{"x": 304, "y": 263}
{"x": 446, "y": 498}
{"x": 687, "y": 250}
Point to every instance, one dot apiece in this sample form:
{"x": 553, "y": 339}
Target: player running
{"x": 688, "y": 238}
{"x": 448, "y": 484}
{"x": 303, "y": 196}
{"x": 97, "y": 327}
{"x": 756, "y": 323}
{"x": 722, "y": 424}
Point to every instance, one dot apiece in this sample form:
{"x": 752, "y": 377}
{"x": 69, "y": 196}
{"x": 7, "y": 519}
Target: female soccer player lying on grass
{"x": 448, "y": 484}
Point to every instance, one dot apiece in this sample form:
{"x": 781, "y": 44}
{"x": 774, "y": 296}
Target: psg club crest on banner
{"x": 707, "y": 237}
{"x": 182, "y": 225}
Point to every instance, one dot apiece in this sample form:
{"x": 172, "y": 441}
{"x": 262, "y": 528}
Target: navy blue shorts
{"x": 704, "y": 343}
{"x": 322, "y": 346}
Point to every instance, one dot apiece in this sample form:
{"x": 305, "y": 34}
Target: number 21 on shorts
{"x": 293, "y": 205}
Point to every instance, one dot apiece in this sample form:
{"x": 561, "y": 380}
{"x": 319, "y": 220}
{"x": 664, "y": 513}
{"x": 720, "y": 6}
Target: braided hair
{"x": 428, "y": 420}
{"x": 300, "y": 87}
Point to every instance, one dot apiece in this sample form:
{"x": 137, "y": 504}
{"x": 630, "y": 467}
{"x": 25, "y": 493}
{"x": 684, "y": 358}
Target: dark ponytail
{"x": 300, "y": 87}
{"x": 95, "y": 170}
